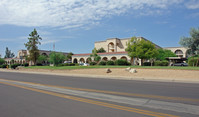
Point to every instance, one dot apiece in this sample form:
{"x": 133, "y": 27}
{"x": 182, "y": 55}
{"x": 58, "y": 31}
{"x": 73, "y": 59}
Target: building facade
{"x": 179, "y": 51}
{"x": 22, "y": 54}
{"x": 115, "y": 49}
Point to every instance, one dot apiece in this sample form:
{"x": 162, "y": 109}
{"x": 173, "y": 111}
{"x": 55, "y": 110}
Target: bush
{"x": 2, "y": 61}
{"x": 39, "y": 64}
{"x": 110, "y": 63}
{"x": 25, "y": 65}
{"x": 102, "y": 63}
{"x": 93, "y": 63}
{"x": 3, "y": 66}
{"x": 13, "y": 66}
{"x": 161, "y": 63}
{"x": 193, "y": 61}
{"x": 147, "y": 64}
{"x": 121, "y": 62}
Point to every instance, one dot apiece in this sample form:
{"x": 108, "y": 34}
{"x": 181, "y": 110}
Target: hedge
{"x": 147, "y": 64}
{"x": 68, "y": 64}
{"x": 191, "y": 61}
{"x": 102, "y": 63}
{"x": 3, "y": 66}
{"x": 161, "y": 63}
{"x": 122, "y": 62}
{"x": 13, "y": 66}
{"x": 110, "y": 63}
{"x": 93, "y": 63}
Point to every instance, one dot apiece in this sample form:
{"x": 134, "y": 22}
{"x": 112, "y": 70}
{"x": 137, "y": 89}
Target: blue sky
{"x": 74, "y": 25}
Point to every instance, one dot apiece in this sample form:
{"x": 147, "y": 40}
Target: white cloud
{"x": 73, "y": 13}
{"x": 192, "y": 4}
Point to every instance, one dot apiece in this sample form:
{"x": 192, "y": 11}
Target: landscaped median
{"x": 174, "y": 74}
{"x": 92, "y": 67}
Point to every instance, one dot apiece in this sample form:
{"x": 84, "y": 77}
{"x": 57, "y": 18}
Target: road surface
{"x": 34, "y": 95}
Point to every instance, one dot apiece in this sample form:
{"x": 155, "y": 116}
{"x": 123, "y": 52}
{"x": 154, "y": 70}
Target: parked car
{"x": 179, "y": 64}
{"x": 84, "y": 64}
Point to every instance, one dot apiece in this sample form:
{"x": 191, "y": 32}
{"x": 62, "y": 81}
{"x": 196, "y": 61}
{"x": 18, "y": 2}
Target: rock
{"x": 133, "y": 71}
{"x": 108, "y": 70}
{"x": 128, "y": 69}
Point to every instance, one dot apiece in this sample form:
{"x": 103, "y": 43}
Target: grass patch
{"x": 90, "y": 67}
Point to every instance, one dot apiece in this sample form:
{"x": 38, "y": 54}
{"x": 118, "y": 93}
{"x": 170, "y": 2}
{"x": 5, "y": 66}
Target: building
{"x": 22, "y": 54}
{"x": 179, "y": 51}
{"x": 115, "y": 49}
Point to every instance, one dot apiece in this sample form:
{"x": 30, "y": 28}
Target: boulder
{"x": 108, "y": 70}
{"x": 128, "y": 69}
{"x": 133, "y": 71}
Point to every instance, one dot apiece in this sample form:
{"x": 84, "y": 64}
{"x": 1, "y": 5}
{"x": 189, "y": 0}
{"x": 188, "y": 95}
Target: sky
{"x": 75, "y": 25}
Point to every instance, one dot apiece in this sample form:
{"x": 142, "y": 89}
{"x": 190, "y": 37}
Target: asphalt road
{"x": 64, "y": 96}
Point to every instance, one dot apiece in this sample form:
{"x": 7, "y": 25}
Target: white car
{"x": 84, "y": 64}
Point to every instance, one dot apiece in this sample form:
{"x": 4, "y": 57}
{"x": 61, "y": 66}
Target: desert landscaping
{"x": 173, "y": 75}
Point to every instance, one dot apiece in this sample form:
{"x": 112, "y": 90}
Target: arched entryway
{"x": 75, "y": 60}
{"x": 124, "y": 58}
{"x": 88, "y": 60}
{"x": 81, "y": 60}
{"x": 113, "y": 58}
{"x": 105, "y": 59}
{"x": 179, "y": 53}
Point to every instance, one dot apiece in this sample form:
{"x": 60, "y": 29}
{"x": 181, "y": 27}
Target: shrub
{"x": 121, "y": 62}
{"x": 161, "y": 63}
{"x": 13, "y": 66}
{"x": 2, "y": 61}
{"x": 193, "y": 61}
{"x": 3, "y": 66}
{"x": 93, "y": 63}
{"x": 110, "y": 63}
{"x": 68, "y": 64}
{"x": 102, "y": 63}
{"x": 25, "y": 65}
{"x": 76, "y": 64}
{"x": 147, "y": 63}
{"x": 39, "y": 64}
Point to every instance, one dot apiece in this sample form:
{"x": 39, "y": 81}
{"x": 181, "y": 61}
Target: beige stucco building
{"x": 179, "y": 51}
{"x": 21, "y": 56}
{"x": 115, "y": 49}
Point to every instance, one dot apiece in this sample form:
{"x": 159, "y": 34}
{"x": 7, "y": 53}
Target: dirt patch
{"x": 161, "y": 74}
{"x": 121, "y": 73}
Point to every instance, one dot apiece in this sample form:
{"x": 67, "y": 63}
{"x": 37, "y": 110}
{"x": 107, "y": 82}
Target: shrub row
{"x": 193, "y": 61}
{"x": 13, "y": 66}
{"x": 3, "y": 66}
{"x": 117, "y": 62}
{"x": 161, "y": 63}
{"x": 68, "y": 64}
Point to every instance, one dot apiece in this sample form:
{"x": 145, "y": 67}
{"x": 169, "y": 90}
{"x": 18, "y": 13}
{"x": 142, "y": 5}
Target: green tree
{"x": 31, "y": 45}
{"x": 95, "y": 56}
{"x": 69, "y": 56}
{"x": 142, "y": 49}
{"x": 42, "y": 58}
{"x": 2, "y": 61}
{"x": 101, "y": 50}
{"x": 8, "y": 53}
{"x": 56, "y": 58}
{"x": 192, "y": 42}
{"x": 163, "y": 54}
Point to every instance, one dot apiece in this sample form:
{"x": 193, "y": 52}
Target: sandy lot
{"x": 120, "y": 73}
